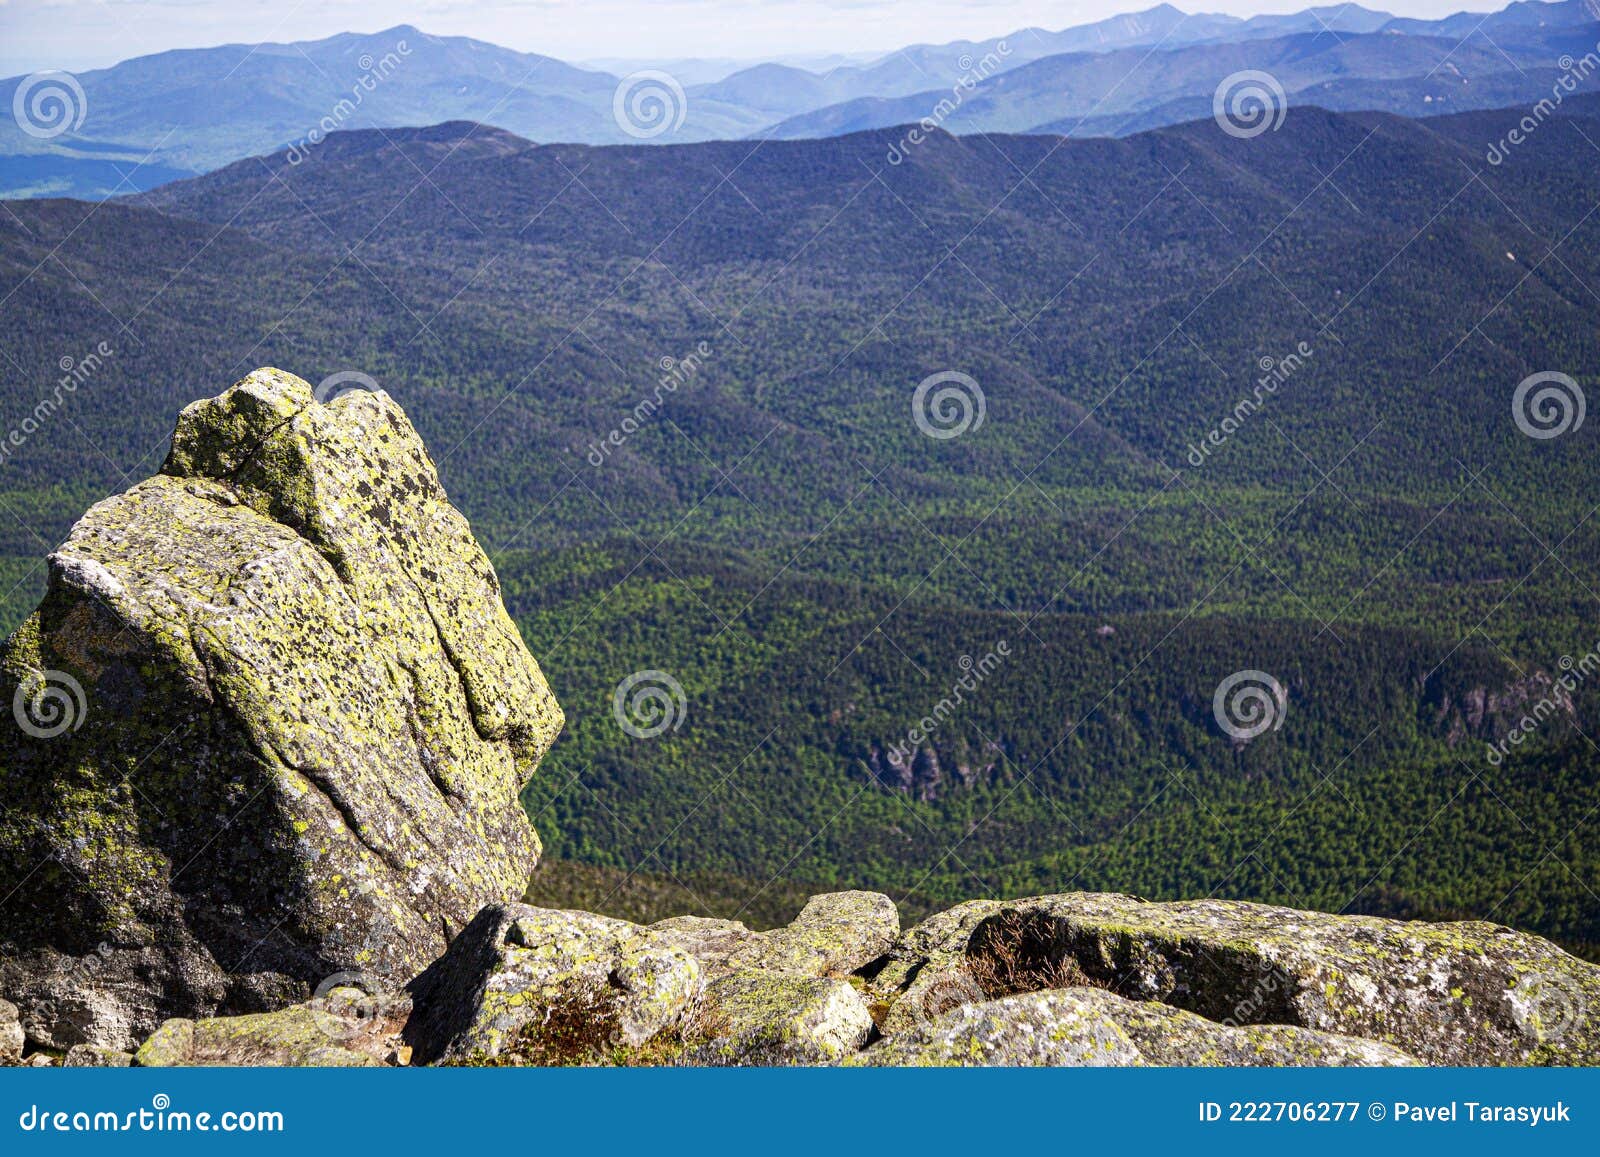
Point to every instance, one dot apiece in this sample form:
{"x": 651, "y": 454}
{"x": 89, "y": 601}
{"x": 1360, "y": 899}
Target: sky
{"x": 77, "y": 35}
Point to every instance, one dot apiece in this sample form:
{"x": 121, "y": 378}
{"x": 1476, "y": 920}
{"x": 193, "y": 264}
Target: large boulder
{"x": 269, "y": 723}
{"x": 1450, "y": 994}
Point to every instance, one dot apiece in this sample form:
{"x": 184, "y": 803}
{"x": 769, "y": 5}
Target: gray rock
{"x": 547, "y": 986}
{"x": 1092, "y": 1027}
{"x": 95, "y": 1057}
{"x": 778, "y": 1018}
{"x": 1465, "y": 993}
{"x": 1168, "y": 1036}
{"x": 835, "y": 934}
{"x": 714, "y": 943}
{"x": 293, "y": 1038}
{"x": 273, "y": 721}
{"x": 1060, "y": 1028}
{"x": 12, "y": 1038}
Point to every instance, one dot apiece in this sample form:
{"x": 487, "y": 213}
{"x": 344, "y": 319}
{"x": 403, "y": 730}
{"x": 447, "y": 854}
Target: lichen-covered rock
{"x": 12, "y": 1038}
{"x": 927, "y": 972}
{"x": 781, "y": 1018}
{"x": 346, "y": 1025}
{"x": 551, "y": 986}
{"x": 95, "y": 1057}
{"x": 835, "y": 933}
{"x": 1067, "y": 1028}
{"x": 271, "y": 721}
{"x": 1092, "y": 1027}
{"x": 1169, "y": 1036}
{"x": 1463, "y": 993}
{"x": 714, "y": 943}
{"x": 292, "y": 1037}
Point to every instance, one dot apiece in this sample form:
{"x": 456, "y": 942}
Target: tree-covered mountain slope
{"x": 673, "y": 390}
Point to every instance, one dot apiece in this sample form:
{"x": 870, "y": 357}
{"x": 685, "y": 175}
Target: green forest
{"x": 678, "y": 403}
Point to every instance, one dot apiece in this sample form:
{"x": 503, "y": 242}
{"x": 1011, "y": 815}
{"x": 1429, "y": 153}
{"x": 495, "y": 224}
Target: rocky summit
{"x": 260, "y": 795}
{"x": 269, "y": 723}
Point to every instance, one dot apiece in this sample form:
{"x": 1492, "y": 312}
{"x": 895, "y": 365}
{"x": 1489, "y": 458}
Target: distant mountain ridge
{"x": 1132, "y": 89}
{"x": 156, "y": 118}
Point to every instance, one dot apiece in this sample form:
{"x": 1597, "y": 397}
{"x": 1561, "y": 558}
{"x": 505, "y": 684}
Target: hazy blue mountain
{"x": 155, "y": 118}
{"x": 785, "y": 90}
{"x": 1522, "y": 14}
{"x": 1133, "y": 88}
{"x": 198, "y": 109}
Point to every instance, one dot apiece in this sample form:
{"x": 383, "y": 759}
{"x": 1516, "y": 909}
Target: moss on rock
{"x": 1463, "y": 993}
{"x": 301, "y": 721}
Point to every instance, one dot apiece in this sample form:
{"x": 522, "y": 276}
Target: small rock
{"x": 1059, "y": 1028}
{"x": 549, "y": 986}
{"x": 295, "y": 1037}
{"x": 774, "y": 1018}
{"x": 834, "y": 934}
{"x": 1169, "y": 1036}
{"x": 714, "y": 943}
{"x": 12, "y": 1038}
{"x": 95, "y": 1057}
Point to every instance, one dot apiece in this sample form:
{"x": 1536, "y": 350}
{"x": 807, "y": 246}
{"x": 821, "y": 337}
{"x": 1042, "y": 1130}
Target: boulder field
{"x": 260, "y": 806}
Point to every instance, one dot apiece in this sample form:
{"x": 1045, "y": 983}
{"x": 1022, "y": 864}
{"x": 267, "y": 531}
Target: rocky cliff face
{"x": 269, "y": 726}
{"x": 270, "y": 722}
